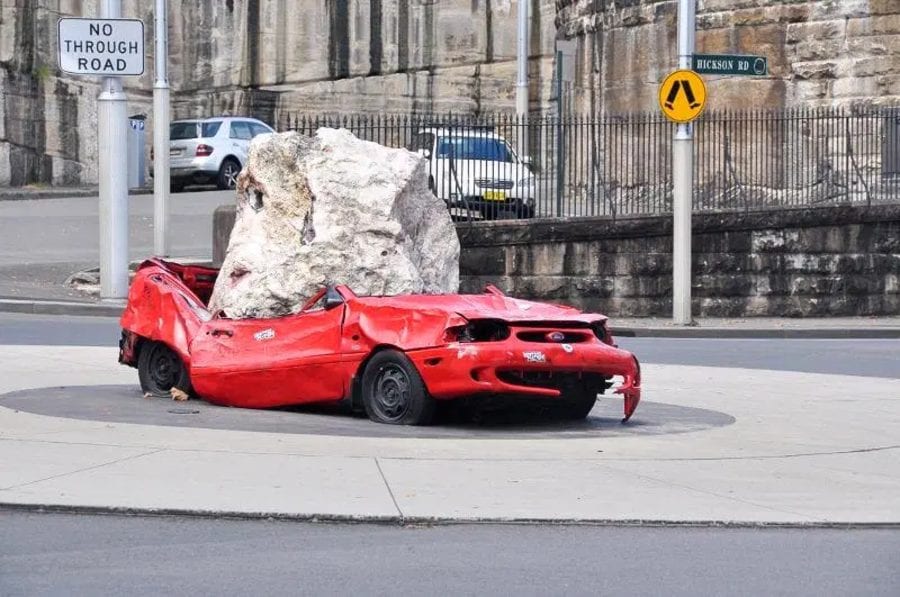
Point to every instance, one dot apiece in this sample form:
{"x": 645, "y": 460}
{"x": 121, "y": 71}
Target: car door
{"x": 240, "y": 137}
{"x": 260, "y": 363}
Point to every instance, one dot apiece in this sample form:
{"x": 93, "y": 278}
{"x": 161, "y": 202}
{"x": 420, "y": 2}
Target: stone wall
{"x": 48, "y": 121}
{"x": 794, "y": 263}
{"x": 355, "y": 55}
{"x": 785, "y": 263}
{"x": 821, "y": 52}
{"x": 271, "y": 58}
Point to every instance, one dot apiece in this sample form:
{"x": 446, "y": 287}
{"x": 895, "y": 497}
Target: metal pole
{"x": 560, "y": 147}
{"x": 522, "y": 78}
{"x": 161, "y": 244}
{"x": 113, "y": 148}
{"x": 683, "y": 180}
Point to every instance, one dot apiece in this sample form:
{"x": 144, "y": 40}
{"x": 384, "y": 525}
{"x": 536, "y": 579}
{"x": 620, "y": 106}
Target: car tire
{"x": 393, "y": 391}
{"x": 228, "y": 173}
{"x": 577, "y": 403}
{"x": 160, "y": 369}
{"x": 176, "y": 187}
{"x": 525, "y": 212}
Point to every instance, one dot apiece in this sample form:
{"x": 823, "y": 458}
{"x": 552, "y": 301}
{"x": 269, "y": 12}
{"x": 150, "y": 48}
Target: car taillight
{"x": 204, "y": 150}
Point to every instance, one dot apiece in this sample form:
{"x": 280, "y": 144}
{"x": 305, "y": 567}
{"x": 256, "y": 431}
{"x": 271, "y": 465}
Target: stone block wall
{"x": 834, "y": 261}
{"x": 793, "y": 263}
{"x": 821, "y": 52}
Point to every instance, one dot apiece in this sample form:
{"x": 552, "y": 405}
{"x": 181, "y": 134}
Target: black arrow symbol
{"x": 686, "y": 85}
{"x": 673, "y": 93}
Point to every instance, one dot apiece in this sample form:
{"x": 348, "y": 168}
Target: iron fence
{"x": 500, "y": 166}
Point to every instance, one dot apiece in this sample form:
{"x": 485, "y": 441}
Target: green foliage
{"x": 41, "y": 73}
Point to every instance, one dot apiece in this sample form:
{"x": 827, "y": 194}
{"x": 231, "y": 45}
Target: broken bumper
{"x": 466, "y": 369}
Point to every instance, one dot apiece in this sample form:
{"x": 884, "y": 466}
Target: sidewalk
{"x": 792, "y": 449}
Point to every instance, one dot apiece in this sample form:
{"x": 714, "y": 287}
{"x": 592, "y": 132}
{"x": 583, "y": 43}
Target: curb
{"x": 96, "y": 309}
{"x": 399, "y": 520}
{"x": 71, "y": 308}
{"x": 759, "y": 333}
{"x": 54, "y": 193}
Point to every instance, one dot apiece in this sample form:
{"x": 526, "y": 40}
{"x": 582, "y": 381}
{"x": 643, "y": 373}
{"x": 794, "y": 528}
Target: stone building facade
{"x": 820, "y": 52}
{"x": 270, "y": 58}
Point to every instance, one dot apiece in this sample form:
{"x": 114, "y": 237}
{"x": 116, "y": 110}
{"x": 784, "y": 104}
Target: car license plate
{"x": 495, "y": 195}
{"x": 176, "y": 152}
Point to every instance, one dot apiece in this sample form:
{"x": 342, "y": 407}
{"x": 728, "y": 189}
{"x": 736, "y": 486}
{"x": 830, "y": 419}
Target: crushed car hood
{"x": 485, "y": 306}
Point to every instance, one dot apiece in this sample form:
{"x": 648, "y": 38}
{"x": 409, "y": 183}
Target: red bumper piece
{"x": 631, "y": 391}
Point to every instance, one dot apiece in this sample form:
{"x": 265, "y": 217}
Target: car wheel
{"x": 525, "y": 212}
{"x": 228, "y": 174}
{"x": 176, "y": 187}
{"x": 577, "y": 403}
{"x": 393, "y": 391}
{"x": 160, "y": 369}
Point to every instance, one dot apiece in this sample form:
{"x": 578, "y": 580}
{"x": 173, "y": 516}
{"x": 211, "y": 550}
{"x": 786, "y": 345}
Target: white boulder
{"x": 333, "y": 209}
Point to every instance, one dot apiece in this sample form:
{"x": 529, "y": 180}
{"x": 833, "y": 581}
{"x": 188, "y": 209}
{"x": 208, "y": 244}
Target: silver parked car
{"x": 210, "y": 151}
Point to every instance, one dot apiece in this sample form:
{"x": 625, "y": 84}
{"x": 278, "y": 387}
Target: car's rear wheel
{"x": 393, "y": 391}
{"x": 228, "y": 174}
{"x": 160, "y": 369}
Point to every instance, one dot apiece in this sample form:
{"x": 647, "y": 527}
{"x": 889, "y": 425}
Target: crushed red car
{"x": 395, "y": 357}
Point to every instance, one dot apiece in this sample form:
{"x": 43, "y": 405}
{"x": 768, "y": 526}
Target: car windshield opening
{"x": 474, "y": 148}
{"x": 193, "y": 130}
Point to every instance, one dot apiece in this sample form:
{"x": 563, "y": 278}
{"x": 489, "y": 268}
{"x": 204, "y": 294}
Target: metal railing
{"x": 500, "y": 166}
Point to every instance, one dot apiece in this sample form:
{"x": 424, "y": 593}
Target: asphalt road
{"x": 43, "y": 231}
{"x": 55, "y": 554}
{"x": 871, "y": 358}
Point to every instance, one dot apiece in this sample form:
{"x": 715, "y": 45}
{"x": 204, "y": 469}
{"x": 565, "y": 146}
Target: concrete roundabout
{"x": 707, "y": 445}
{"x": 125, "y": 404}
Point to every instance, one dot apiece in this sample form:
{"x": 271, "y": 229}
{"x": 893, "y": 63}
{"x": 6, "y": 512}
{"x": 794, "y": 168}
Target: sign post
{"x": 110, "y": 47}
{"x": 161, "y": 134}
{"x": 683, "y": 176}
{"x": 522, "y": 78}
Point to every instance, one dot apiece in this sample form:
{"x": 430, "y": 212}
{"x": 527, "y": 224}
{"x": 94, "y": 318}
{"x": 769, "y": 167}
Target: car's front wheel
{"x": 393, "y": 391}
{"x": 228, "y": 174}
{"x": 160, "y": 369}
{"x": 577, "y": 403}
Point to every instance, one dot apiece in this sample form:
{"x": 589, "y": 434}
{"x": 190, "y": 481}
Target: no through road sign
{"x": 105, "y": 47}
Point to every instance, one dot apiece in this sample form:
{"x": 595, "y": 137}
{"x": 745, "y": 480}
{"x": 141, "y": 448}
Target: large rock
{"x": 333, "y": 209}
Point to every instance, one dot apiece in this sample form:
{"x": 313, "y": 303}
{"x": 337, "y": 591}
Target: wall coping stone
{"x": 538, "y": 231}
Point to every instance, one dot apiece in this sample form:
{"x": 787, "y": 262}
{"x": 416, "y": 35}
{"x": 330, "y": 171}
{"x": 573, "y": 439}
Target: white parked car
{"x": 211, "y": 151}
{"x": 474, "y": 169}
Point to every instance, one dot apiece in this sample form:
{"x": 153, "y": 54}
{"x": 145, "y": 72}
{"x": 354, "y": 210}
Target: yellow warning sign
{"x": 682, "y": 96}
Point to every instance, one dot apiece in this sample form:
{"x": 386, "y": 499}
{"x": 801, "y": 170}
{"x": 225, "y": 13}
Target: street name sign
{"x": 730, "y": 64}
{"x": 104, "y": 47}
{"x": 682, "y": 96}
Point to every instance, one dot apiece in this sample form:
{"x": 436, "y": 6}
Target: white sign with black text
{"x": 104, "y": 47}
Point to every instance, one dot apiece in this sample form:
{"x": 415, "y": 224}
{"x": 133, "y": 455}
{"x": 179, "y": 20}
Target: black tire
{"x": 577, "y": 403}
{"x": 160, "y": 369}
{"x": 393, "y": 391}
{"x": 176, "y": 187}
{"x": 228, "y": 173}
{"x": 525, "y": 212}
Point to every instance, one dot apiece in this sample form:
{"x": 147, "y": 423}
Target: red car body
{"x": 319, "y": 354}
